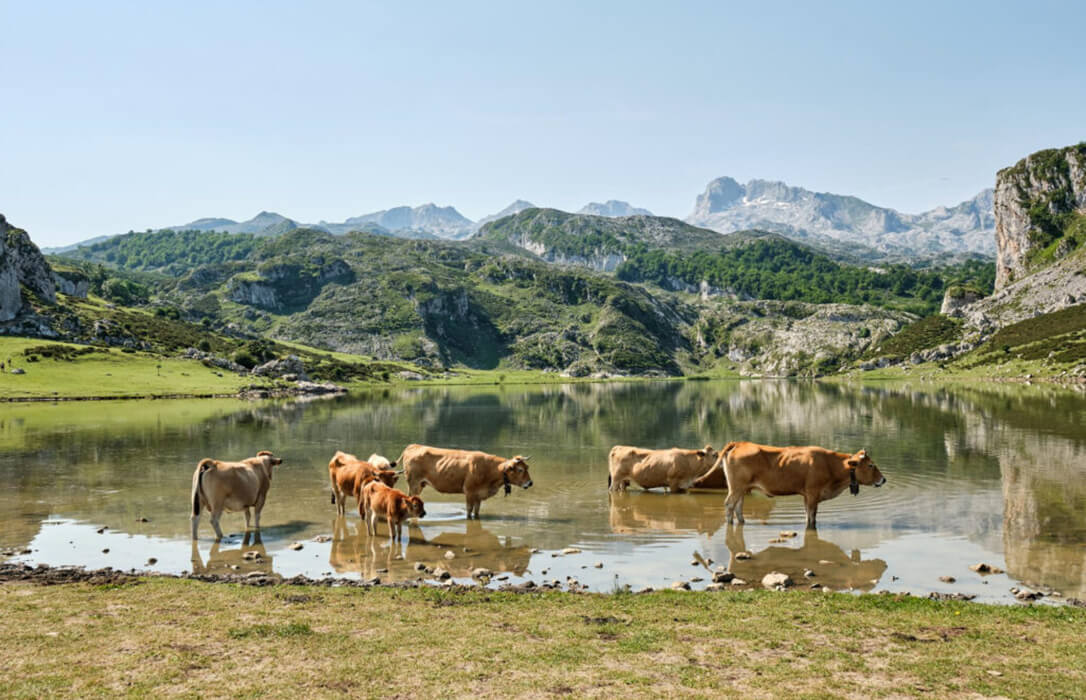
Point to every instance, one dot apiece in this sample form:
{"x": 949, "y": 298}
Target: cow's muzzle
{"x": 528, "y": 484}
{"x": 880, "y": 482}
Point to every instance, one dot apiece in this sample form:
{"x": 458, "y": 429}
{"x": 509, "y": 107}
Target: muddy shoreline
{"x": 45, "y": 575}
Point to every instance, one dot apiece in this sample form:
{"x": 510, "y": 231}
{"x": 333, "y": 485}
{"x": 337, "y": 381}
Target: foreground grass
{"x": 180, "y": 637}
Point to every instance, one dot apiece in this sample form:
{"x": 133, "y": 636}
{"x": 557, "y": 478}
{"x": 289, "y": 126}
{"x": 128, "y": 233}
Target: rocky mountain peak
{"x": 21, "y": 265}
{"x": 613, "y": 208}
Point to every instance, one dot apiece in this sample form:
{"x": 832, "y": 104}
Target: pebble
{"x": 696, "y": 579}
{"x": 680, "y": 585}
{"x": 295, "y": 546}
{"x": 994, "y": 673}
{"x": 983, "y": 568}
{"x": 808, "y": 573}
{"x": 142, "y": 520}
{"x": 825, "y": 562}
{"x": 441, "y": 574}
{"x": 738, "y": 582}
{"x": 481, "y": 573}
{"x": 571, "y": 550}
{"x": 723, "y": 577}
{"x": 101, "y": 530}
{"x": 647, "y": 589}
{"x": 715, "y": 587}
{"x": 776, "y": 540}
{"x": 598, "y": 565}
{"x": 382, "y": 571}
{"x": 947, "y": 579}
{"x": 419, "y": 566}
{"x": 695, "y": 562}
{"x": 322, "y": 538}
{"x": 151, "y": 561}
{"x": 789, "y": 533}
{"x": 533, "y": 550}
{"x": 744, "y": 555}
{"x": 450, "y": 554}
{"x": 503, "y": 577}
{"x": 105, "y": 551}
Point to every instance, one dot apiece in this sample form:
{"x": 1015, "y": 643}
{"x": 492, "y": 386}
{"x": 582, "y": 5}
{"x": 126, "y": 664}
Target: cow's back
{"x": 444, "y": 469}
{"x": 234, "y": 485}
{"x": 781, "y": 471}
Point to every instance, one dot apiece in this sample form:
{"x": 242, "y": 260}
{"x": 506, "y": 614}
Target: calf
{"x": 231, "y": 486}
{"x": 346, "y": 472}
{"x": 815, "y": 473}
{"x": 389, "y": 504}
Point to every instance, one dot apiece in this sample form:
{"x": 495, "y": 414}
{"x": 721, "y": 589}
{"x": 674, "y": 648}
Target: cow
{"x": 815, "y": 473}
{"x": 231, "y": 486}
{"x": 346, "y": 471}
{"x": 477, "y": 475}
{"x": 391, "y": 505}
{"x": 677, "y": 469}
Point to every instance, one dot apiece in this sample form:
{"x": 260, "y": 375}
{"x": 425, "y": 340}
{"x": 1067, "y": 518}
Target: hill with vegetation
{"x": 493, "y": 302}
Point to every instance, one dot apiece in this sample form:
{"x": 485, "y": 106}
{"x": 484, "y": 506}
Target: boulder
{"x": 776, "y": 579}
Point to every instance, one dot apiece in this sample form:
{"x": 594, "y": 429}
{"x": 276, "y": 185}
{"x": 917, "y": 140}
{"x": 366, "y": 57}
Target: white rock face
{"x": 445, "y": 222}
{"x": 1034, "y": 180}
{"x": 727, "y": 206}
{"x": 21, "y": 264}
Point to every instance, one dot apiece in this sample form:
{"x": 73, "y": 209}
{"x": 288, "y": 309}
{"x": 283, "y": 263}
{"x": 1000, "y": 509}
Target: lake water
{"x": 987, "y": 473}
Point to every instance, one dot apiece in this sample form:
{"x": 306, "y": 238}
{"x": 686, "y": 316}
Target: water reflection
{"x": 472, "y": 546}
{"x": 833, "y": 568}
{"x": 983, "y": 472}
{"x": 250, "y": 556}
{"x": 649, "y": 511}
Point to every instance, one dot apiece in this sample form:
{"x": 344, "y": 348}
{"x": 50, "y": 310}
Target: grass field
{"x": 107, "y": 372}
{"x": 166, "y": 637}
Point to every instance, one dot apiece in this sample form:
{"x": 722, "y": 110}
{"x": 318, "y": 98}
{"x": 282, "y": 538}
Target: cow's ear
{"x": 701, "y": 453}
{"x": 263, "y": 453}
{"x": 851, "y": 463}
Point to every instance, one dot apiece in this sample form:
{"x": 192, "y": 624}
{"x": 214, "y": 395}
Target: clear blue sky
{"x": 121, "y": 116}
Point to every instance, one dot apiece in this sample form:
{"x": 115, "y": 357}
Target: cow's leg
{"x": 247, "y": 517}
{"x": 257, "y": 508}
{"x": 734, "y": 503}
{"x": 215, "y": 515}
{"x": 812, "y": 511}
{"x": 195, "y": 524}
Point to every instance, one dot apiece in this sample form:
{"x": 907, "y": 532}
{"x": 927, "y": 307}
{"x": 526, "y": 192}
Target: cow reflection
{"x": 474, "y": 548}
{"x": 701, "y": 513}
{"x": 833, "y": 568}
{"x": 250, "y": 557}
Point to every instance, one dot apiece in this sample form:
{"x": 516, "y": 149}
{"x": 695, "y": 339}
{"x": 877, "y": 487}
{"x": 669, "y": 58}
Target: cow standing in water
{"x": 675, "y": 468}
{"x": 815, "y": 473}
{"x": 231, "y": 486}
{"x": 477, "y": 475}
{"x": 347, "y": 473}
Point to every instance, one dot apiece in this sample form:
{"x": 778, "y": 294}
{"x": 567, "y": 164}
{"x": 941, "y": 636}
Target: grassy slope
{"x": 108, "y": 372}
{"x": 169, "y": 637}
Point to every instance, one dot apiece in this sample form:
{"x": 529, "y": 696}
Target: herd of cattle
{"x": 815, "y": 473}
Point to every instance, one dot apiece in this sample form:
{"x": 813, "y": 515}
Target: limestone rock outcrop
{"x": 21, "y": 265}
{"x": 1037, "y": 203}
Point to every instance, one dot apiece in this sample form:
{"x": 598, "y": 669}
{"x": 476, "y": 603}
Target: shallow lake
{"x": 985, "y": 473}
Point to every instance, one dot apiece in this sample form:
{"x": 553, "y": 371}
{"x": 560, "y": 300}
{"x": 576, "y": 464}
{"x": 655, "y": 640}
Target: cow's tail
{"x": 197, "y": 483}
{"x": 608, "y": 480}
{"x": 729, "y": 447}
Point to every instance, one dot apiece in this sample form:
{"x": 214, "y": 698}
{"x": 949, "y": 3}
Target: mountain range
{"x": 821, "y": 217}
{"x": 844, "y": 226}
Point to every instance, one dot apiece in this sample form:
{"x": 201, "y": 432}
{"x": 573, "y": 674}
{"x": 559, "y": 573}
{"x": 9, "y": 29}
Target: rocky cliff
{"x": 21, "y": 266}
{"x": 1040, "y": 210}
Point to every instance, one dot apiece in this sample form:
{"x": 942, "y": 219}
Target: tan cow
{"x": 231, "y": 486}
{"x": 477, "y": 475}
{"x": 346, "y": 473}
{"x": 815, "y": 473}
{"x": 675, "y": 468}
{"x": 389, "y": 504}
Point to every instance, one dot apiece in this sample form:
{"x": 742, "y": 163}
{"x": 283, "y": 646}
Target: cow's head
{"x": 515, "y": 471}
{"x": 269, "y": 458}
{"x": 413, "y": 507}
{"x": 708, "y": 455}
{"x": 388, "y": 477}
{"x": 863, "y": 471}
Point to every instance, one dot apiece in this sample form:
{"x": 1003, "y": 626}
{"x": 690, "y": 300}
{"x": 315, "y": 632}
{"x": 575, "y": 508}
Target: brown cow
{"x": 232, "y": 486}
{"x": 346, "y": 473}
{"x": 675, "y": 468}
{"x": 389, "y": 504}
{"x": 815, "y": 473}
{"x": 477, "y": 475}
